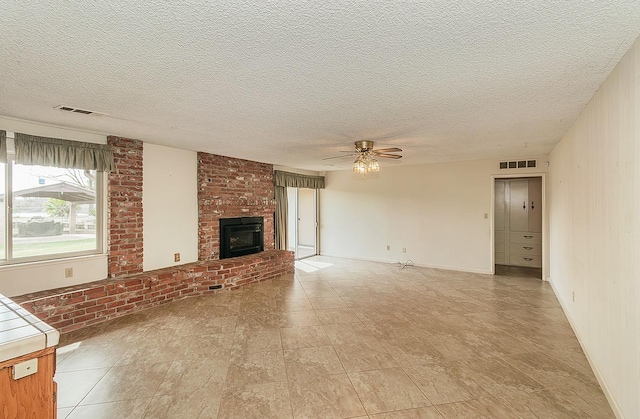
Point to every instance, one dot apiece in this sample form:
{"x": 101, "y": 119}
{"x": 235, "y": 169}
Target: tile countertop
{"x": 21, "y": 332}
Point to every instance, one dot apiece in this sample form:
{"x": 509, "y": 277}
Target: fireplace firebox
{"x": 241, "y": 236}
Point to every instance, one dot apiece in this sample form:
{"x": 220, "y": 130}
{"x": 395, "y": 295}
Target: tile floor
{"x": 340, "y": 339}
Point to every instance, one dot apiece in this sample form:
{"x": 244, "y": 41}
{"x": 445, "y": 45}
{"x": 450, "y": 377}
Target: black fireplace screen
{"x": 241, "y": 236}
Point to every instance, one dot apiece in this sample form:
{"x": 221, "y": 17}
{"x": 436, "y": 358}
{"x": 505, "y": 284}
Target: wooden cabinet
{"x": 518, "y": 222}
{"x": 33, "y": 396}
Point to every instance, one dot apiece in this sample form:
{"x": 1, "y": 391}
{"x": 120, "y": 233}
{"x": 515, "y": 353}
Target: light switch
{"x": 25, "y": 368}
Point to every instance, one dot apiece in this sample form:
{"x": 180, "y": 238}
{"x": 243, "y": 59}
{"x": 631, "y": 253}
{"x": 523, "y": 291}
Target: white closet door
{"x": 499, "y": 219}
{"x": 518, "y": 208}
{"x": 535, "y": 205}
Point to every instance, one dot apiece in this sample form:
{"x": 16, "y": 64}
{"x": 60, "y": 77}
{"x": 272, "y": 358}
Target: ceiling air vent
{"x": 78, "y": 110}
{"x": 518, "y": 164}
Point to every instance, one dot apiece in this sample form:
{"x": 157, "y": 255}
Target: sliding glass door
{"x": 302, "y": 221}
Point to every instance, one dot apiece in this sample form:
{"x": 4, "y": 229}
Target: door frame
{"x": 545, "y": 220}
{"x": 297, "y": 222}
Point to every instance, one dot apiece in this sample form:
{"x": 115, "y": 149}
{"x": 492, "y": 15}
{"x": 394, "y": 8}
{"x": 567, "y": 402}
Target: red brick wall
{"x": 124, "y": 234}
{"x": 229, "y": 187}
{"x": 75, "y": 307}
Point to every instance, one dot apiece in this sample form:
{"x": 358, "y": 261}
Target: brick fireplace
{"x": 227, "y": 188}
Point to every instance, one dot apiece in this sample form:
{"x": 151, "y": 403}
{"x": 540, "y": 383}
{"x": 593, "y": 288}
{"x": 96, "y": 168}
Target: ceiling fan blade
{"x": 340, "y": 157}
{"x": 388, "y": 150}
{"x": 388, "y": 156}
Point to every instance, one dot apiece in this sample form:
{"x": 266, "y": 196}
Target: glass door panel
{"x": 306, "y": 245}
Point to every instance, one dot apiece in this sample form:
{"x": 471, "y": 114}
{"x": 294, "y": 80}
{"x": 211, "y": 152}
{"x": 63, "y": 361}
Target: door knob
{"x": 532, "y": 207}
{"x": 524, "y": 205}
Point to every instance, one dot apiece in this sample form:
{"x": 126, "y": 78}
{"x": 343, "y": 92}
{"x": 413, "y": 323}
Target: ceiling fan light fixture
{"x": 373, "y": 166}
{"x": 360, "y": 167}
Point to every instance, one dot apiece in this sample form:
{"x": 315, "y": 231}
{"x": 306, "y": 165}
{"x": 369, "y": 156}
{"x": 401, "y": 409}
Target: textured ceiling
{"x": 292, "y": 82}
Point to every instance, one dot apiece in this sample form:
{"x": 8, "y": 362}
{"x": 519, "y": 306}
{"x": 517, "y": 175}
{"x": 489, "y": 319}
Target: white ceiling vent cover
{"x": 78, "y": 110}
{"x": 518, "y": 164}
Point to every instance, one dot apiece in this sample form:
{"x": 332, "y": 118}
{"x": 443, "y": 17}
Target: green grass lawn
{"x": 22, "y": 250}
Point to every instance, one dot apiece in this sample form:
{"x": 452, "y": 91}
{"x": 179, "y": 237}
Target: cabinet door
{"x": 518, "y": 208}
{"x": 499, "y": 206}
{"x": 535, "y": 205}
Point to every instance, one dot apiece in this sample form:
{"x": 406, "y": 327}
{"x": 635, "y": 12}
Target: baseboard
{"x": 594, "y": 367}
{"x": 421, "y": 265}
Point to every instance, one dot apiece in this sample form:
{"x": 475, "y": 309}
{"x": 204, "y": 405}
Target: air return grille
{"x": 78, "y": 110}
{"x": 518, "y": 164}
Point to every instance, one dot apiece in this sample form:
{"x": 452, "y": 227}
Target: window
{"x": 49, "y": 212}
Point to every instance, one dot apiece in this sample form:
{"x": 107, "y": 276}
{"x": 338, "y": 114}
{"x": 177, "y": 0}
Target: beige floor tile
{"x": 300, "y": 318}
{"x": 547, "y": 370}
{"x": 413, "y": 351}
{"x": 337, "y": 316}
{"x": 421, "y": 413}
{"x": 473, "y": 344}
{"x": 327, "y": 303}
{"x": 306, "y": 363}
{"x": 256, "y": 368}
{"x": 73, "y": 386}
{"x": 130, "y": 409}
{"x": 153, "y": 349}
{"x": 127, "y": 383}
{"x": 188, "y": 376}
{"x": 344, "y": 333}
{"x": 477, "y": 409}
{"x": 587, "y": 397}
{"x": 64, "y": 412}
{"x": 543, "y": 404}
{"x": 90, "y": 357}
{"x": 499, "y": 378}
{"x": 303, "y": 337}
{"x": 256, "y": 341}
{"x": 203, "y": 403}
{"x": 362, "y": 356}
{"x": 444, "y": 382}
{"x": 259, "y": 401}
{"x": 387, "y": 390}
{"x": 205, "y": 347}
{"x": 329, "y": 396}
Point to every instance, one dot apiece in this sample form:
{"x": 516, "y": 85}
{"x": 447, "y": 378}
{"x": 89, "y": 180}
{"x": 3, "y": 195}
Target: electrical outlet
{"x": 486, "y": 215}
{"x": 404, "y": 250}
{"x": 388, "y": 247}
{"x": 176, "y": 257}
{"x": 68, "y": 272}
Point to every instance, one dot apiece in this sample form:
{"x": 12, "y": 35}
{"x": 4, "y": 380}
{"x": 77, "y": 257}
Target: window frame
{"x": 101, "y": 211}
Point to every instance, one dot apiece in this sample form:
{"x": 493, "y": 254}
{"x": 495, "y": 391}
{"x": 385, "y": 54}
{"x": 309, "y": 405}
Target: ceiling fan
{"x": 366, "y": 161}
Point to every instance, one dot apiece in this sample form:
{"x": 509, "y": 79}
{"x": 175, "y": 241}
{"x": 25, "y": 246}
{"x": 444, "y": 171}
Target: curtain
{"x": 281, "y": 217}
{"x": 3, "y": 146}
{"x": 294, "y": 180}
{"x": 43, "y": 151}
{"x": 282, "y": 180}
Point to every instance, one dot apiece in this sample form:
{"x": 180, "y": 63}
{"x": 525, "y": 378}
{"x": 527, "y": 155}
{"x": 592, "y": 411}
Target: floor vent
{"x": 518, "y": 164}
{"x": 78, "y": 110}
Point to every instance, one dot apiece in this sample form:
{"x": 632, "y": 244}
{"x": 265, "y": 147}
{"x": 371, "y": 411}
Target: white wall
{"x": 434, "y": 211}
{"x": 595, "y": 232}
{"x": 170, "y": 206}
{"x": 37, "y": 276}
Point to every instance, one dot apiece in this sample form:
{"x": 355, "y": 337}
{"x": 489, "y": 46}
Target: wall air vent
{"x": 518, "y": 164}
{"x": 78, "y": 110}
